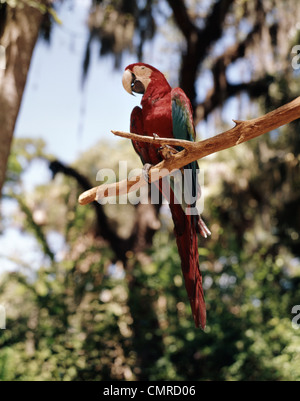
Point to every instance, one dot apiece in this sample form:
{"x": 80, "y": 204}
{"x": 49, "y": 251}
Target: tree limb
{"x": 103, "y": 227}
{"x": 198, "y": 41}
{"x": 242, "y": 132}
{"x": 155, "y": 139}
{"x": 222, "y": 89}
{"x": 182, "y": 18}
{"x": 216, "y": 97}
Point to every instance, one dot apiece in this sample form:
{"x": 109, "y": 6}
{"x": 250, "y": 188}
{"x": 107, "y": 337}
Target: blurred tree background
{"x": 113, "y": 305}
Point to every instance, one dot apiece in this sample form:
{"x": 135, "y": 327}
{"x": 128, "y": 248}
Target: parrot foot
{"x": 167, "y": 152}
{"x": 145, "y": 172}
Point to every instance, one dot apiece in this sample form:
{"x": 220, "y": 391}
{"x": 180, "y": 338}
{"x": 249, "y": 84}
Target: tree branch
{"x": 103, "y": 227}
{"x": 155, "y": 139}
{"x": 182, "y": 18}
{"x": 242, "y": 132}
{"x": 216, "y": 97}
{"x": 222, "y": 89}
{"x": 198, "y": 41}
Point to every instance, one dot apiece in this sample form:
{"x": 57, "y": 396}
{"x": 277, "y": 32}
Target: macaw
{"x": 167, "y": 113}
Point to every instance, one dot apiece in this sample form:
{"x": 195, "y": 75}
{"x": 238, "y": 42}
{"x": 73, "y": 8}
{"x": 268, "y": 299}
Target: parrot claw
{"x": 145, "y": 172}
{"x": 167, "y": 152}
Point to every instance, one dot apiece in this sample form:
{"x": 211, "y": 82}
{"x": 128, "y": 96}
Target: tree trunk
{"x": 19, "y": 33}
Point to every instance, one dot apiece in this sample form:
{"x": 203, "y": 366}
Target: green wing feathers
{"x": 182, "y": 116}
{"x": 183, "y": 128}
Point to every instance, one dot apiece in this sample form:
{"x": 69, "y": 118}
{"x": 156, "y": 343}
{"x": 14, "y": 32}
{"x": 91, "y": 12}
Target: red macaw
{"x": 168, "y": 113}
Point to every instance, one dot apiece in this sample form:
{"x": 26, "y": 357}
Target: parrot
{"x": 168, "y": 113}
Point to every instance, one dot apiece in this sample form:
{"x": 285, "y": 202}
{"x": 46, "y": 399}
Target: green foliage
{"x": 85, "y": 318}
{"x": 67, "y": 311}
{"x": 75, "y": 321}
{"x": 24, "y": 151}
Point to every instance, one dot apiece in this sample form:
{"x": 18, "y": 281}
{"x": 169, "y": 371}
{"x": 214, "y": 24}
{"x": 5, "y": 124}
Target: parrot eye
{"x": 133, "y": 78}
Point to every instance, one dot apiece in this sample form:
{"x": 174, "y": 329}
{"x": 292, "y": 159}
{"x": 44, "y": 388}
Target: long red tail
{"x": 187, "y": 242}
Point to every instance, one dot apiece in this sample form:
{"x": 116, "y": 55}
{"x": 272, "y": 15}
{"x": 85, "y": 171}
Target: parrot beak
{"x": 127, "y": 81}
{"x": 131, "y": 83}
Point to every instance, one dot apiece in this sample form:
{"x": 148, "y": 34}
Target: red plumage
{"x": 155, "y": 116}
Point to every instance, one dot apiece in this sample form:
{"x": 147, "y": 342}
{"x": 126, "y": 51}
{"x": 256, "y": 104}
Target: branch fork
{"x": 242, "y": 131}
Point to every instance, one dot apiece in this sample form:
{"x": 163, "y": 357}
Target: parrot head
{"x": 138, "y": 76}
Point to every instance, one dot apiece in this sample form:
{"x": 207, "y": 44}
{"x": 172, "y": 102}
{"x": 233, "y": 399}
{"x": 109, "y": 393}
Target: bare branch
{"x": 198, "y": 41}
{"x": 222, "y": 89}
{"x": 242, "y": 132}
{"x": 182, "y": 18}
{"x": 156, "y": 140}
{"x": 216, "y": 97}
{"x": 103, "y": 227}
